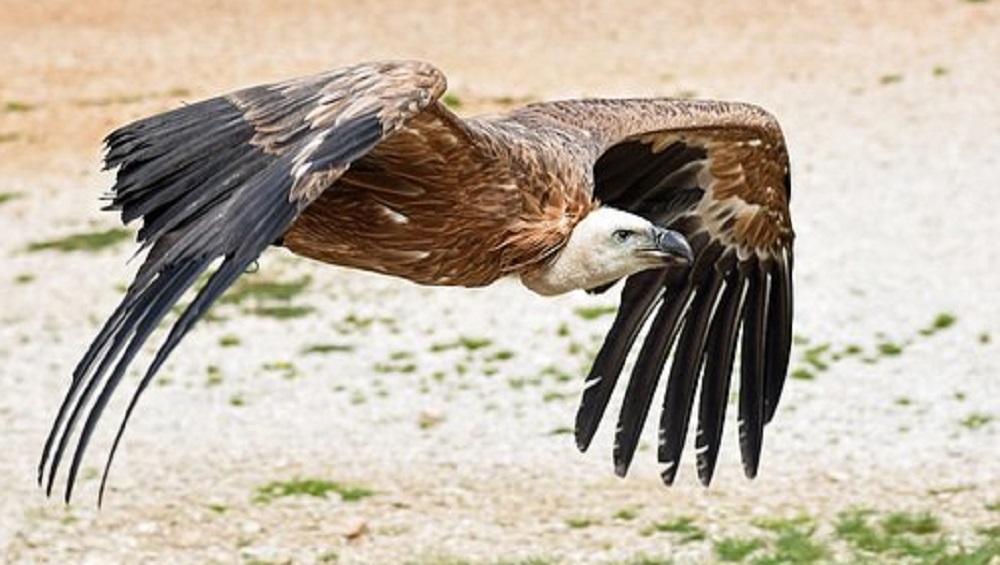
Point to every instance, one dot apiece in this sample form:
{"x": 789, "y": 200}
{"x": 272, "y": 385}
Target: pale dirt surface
{"x": 892, "y": 115}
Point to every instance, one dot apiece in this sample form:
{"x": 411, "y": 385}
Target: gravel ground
{"x": 451, "y": 406}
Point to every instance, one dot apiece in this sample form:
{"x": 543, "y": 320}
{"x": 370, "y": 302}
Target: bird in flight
{"x": 365, "y": 167}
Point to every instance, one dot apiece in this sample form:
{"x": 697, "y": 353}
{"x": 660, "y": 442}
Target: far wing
{"x": 717, "y": 172}
{"x": 223, "y": 179}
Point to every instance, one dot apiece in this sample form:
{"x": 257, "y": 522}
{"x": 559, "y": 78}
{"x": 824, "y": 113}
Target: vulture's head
{"x": 606, "y": 245}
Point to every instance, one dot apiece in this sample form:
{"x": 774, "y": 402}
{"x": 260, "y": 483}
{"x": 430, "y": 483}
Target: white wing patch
{"x": 393, "y": 215}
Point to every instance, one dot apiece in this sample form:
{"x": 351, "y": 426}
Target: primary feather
{"x": 364, "y": 167}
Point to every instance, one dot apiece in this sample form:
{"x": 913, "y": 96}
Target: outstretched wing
{"x": 717, "y": 172}
{"x": 223, "y": 179}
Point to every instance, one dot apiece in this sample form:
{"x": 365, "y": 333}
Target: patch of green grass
{"x": 954, "y": 489}
{"x": 325, "y": 348}
{"x": 229, "y": 340}
{"x": 735, "y": 549}
{"x": 940, "y": 71}
{"x": 984, "y": 338}
{"x": 263, "y": 290}
{"x": 319, "y": 488}
{"x": 237, "y": 400}
{"x": 815, "y": 356}
{"x": 24, "y": 278}
{"x": 779, "y": 525}
{"x": 580, "y": 523}
{"x": 281, "y": 312}
{"x": 17, "y": 106}
{"x": 394, "y": 367}
{"x": 473, "y": 343}
{"x": 594, "y": 312}
{"x": 942, "y": 321}
{"x": 509, "y": 101}
{"x": 855, "y": 527}
{"x": 328, "y": 557}
{"x": 627, "y": 513}
{"x": 852, "y": 349}
{"x": 976, "y": 420}
{"x": 89, "y": 241}
{"x": 553, "y": 395}
{"x": 8, "y": 196}
{"x": 895, "y": 534}
{"x": 889, "y": 349}
{"x": 683, "y": 526}
{"x": 794, "y": 542}
{"x": 556, "y": 374}
{"x": 428, "y": 420}
{"x": 353, "y": 323}
{"x": 286, "y": 369}
{"x": 467, "y": 343}
{"x": 802, "y": 374}
{"x": 502, "y": 355}
{"x": 213, "y": 376}
{"x": 561, "y": 430}
{"x": 892, "y": 78}
{"x": 987, "y": 553}
{"x": 452, "y": 100}
{"x": 897, "y": 523}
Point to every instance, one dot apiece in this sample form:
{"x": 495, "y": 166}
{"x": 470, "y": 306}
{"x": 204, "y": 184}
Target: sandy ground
{"x": 892, "y": 115}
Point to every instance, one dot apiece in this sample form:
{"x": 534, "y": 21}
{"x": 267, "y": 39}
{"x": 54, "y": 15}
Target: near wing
{"x": 223, "y": 179}
{"x": 718, "y": 173}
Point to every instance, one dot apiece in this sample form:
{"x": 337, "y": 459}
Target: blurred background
{"x": 328, "y": 416}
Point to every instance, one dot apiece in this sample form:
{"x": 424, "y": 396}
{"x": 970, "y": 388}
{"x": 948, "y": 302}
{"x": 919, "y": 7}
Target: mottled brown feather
{"x": 439, "y": 202}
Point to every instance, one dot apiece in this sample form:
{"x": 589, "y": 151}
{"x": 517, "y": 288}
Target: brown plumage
{"x": 365, "y": 167}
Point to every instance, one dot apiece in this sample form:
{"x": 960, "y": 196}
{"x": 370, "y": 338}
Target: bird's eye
{"x": 621, "y": 236}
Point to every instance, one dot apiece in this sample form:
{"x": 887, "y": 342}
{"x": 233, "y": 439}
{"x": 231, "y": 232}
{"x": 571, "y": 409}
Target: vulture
{"x": 366, "y": 167}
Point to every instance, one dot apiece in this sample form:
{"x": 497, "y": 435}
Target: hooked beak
{"x": 670, "y": 246}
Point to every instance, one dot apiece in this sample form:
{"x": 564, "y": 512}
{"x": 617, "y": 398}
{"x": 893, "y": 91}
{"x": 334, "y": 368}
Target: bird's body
{"x": 409, "y": 209}
{"x": 364, "y": 167}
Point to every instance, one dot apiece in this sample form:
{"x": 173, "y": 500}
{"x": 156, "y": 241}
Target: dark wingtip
{"x": 588, "y": 415}
{"x": 705, "y": 474}
{"x": 751, "y": 464}
{"x": 621, "y": 468}
{"x": 669, "y": 473}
